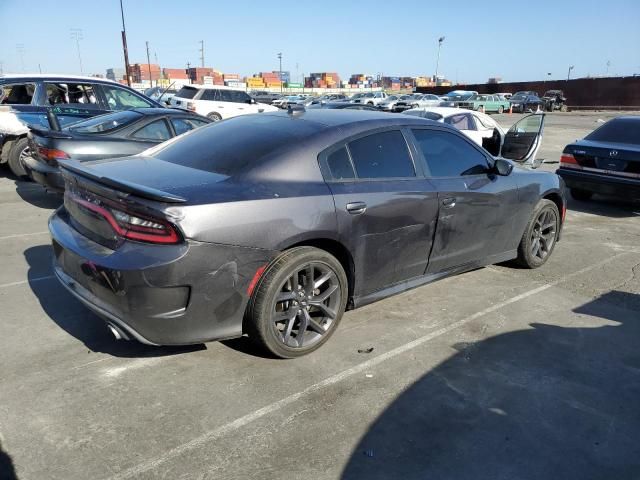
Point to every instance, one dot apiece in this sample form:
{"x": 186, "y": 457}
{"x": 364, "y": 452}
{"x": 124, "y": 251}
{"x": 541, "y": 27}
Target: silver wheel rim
{"x": 26, "y": 152}
{"x": 306, "y": 306}
{"x": 543, "y": 235}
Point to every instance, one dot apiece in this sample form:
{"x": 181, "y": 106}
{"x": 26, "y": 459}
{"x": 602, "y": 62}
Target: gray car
{"x": 272, "y": 225}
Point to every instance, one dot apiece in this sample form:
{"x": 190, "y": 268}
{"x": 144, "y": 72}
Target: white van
{"x": 217, "y": 102}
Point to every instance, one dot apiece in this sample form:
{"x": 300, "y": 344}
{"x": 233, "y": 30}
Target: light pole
{"x": 124, "y": 47}
{"x": 76, "y": 34}
{"x": 608, "y": 65}
{"x": 280, "y": 71}
{"x": 569, "y": 72}
{"x": 440, "y": 40}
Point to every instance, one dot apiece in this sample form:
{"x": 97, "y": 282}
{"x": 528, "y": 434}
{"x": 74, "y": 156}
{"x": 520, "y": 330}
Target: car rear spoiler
{"x": 121, "y": 185}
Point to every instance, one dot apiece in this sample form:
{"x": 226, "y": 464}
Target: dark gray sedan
{"x": 106, "y": 136}
{"x": 272, "y": 225}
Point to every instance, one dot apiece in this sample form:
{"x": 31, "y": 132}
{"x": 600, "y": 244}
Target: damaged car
{"x": 25, "y": 99}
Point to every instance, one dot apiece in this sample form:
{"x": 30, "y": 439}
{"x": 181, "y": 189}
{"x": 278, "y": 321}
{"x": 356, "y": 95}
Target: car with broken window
{"x": 273, "y": 225}
{"x": 25, "y": 99}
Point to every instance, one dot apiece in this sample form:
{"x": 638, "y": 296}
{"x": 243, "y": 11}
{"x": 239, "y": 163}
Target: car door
{"x": 522, "y": 141}
{"x": 386, "y": 210}
{"x": 477, "y": 208}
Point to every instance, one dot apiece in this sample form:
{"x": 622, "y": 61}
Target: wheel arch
{"x": 556, "y": 198}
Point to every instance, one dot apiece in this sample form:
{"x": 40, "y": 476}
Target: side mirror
{"x": 502, "y": 167}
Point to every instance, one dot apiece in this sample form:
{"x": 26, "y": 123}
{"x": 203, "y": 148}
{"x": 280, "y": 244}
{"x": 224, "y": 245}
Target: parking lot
{"x": 500, "y": 373}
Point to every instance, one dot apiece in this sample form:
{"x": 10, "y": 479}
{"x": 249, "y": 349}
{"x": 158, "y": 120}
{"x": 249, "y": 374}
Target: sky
{"x": 517, "y": 41}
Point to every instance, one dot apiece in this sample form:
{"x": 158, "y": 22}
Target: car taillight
{"x": 568, "y": 159}
{"x": 191, "y": 106}
{"x": 51, "y": 155}
{"x": 132, "y": 226}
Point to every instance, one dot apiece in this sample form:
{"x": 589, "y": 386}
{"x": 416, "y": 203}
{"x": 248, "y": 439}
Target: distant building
{"x": 144, "y": 72}
{"x": 495, "y": 80}
{"x": 115, "y": 74}
{"x": 175, "y": 73}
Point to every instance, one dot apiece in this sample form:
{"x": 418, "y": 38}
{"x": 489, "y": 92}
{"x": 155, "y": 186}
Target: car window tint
{"x": 70, "y": 93}
{"x": 239, "y": 97}
{"x": 121, "y": 99}
{"x": 210, "y": 94}
{"x": 340, "y": 165}
{"x": 226, "y": 95}
{"x": 17, "y": 93}
{"x": 157, "y": 130}
{"x": 460, "y": 121}
{"x": 618, "y": 130}
{"x": 182, "y": 125}
{"x": 448, "y": 155}
{"x": 382, "y": 155}
{"x": 106, "y": 123}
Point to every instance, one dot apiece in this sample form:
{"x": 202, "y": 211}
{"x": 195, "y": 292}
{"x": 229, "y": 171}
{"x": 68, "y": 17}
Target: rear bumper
{"x": 158, "y": 294}
{"x": 46, "y": 175}
{"x": 628, "y": 188}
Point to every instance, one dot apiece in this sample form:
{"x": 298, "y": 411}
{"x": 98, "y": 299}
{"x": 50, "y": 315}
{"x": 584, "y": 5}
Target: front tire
{"x": 500, "y": 109}
{"x": 19, "y": 150}
{"x": 216, "y": 117}
{"x": 298, "y": 303}
{"x": 581, "y": 195}
{"x": 539, "y": 237}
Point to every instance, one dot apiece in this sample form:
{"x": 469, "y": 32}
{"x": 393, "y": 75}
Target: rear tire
{"x": 216, "y": 117}
{"x": 581, "y": 195}
{"x": 539, "y": 237}
{"x": 289, "y": 315}
{"x": 500, "y": 109}
{"x": 563, "y": 108}
{"x": 18, "y": 151}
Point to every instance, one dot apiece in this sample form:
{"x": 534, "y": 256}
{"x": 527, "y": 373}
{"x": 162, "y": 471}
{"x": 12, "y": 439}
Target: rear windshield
{"x": 106, "y": 123}
{"x": 235, "y": 145}
{"x": 187, "y": 92}
{"x": 618, "y": 130}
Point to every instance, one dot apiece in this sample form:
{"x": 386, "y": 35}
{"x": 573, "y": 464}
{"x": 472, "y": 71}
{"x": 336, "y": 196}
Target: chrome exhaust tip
{"x": 117, "y": 332}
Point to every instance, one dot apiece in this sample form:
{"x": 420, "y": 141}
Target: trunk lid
{"x": 609, "y": 158}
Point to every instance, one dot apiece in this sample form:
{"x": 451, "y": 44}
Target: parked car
{"x": 24, "y": 100}
{"x": 287, "y": 100}
{"x": 554, "y": 100}
{"x": 333, "y": 97}
{"x": 455, "y": 100}
{"x": 485, "y": 103}
{"x": 417, "y": 100}
{"x": 487, "y": 133}
{"x": 272, "y": 225}
{"x": 343, "y": 106}
{"x": 217, "y": 102}
{"x": 262, "y": 96}
{"x": 505, "y": 95}
{"x": 112, "y": 135}
{"x": 371, "y": 98}
{"x": 607, "y": 161}
{"x": 160, "y": 94}
{"x": 523, "y": 102}
{"x": 389, "y": 103}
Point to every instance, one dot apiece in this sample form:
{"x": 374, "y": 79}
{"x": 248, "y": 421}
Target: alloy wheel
{"x": 306, "y": 306}
{"x": 26, "y": 152}
{"x": 543, "y": 234}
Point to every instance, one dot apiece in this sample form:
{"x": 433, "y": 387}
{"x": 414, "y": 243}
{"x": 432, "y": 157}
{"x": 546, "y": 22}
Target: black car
{"x": 607, "y": 161}
{"x": 112, "y": 135}
{"x": 261, "y": 96}
{"x": 274, "y": 224}
{"x": 73, "y": 98}
{"x": 526, "y": 101}
{"x": 554, "y": 100}
{"x": 338, "y": 105}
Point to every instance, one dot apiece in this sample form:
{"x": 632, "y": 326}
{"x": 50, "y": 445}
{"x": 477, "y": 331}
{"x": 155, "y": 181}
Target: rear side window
{"x": 121, "y": 99}
{"x": 187, "y": 92}
{"x": 448, "y": 155}
{"x": 182, "y": 125}
{"x": 618, "y": 130}
{"x": 17, "y": 93}
{"x": 155, "y": 131}
{"x": 382, "y": 155}
{"x": 70, "y": 93}
{"x": 340, "y": 165}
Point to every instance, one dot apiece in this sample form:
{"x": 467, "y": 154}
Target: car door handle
{"x": 449, "y": 202}
{"x": 356, "y": 208}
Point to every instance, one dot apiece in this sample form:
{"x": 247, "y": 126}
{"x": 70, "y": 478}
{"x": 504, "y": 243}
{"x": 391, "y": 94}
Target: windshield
{"x": 618, "y": 130}
{"x": 518, "y": 96}
{"x": 106, "y": 123}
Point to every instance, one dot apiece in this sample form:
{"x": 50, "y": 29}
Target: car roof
{"x": 52, "y": 76}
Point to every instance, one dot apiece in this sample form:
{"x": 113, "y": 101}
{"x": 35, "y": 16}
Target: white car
{"x": 217, "y": 102}
{"x": 389, "y": 103}
{"x": 482, "y": 129}
{"x": 371, "y": 98}
{"x": 283, "y": 102}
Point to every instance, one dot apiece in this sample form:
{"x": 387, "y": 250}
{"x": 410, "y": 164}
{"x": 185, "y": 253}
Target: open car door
{"x": 523, "y": 140}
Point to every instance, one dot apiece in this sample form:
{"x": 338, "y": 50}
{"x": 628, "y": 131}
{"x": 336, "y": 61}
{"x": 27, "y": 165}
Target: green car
{"x": 490, "y": 103}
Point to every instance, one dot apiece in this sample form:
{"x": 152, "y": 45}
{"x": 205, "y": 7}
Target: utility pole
{"x": 124, "y": 47}
{"x": 280, "y": 71}
{"x": 39, "y": 68}
{"x": 76, "y": 34}
{"x": 608, "y": 65}
{"x": 149, "y": 65}
{"x": 20, "y": 50}
{"x": 1, "y": 71}
{"x": 569, "y": 72}
{"x": 202, "y": 53}
{"x": 440, "y": 40}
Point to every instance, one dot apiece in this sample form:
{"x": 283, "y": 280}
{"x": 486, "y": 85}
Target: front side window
{"x": 448, "y": 155}
{"x": 121, "y": 99}
{"x": 17, "y": 93}
{"x": 239, "y": 97}
{"x": 155, "y": 131}
{"x": 225, "y": 95}
{"x": 382, "y": 155}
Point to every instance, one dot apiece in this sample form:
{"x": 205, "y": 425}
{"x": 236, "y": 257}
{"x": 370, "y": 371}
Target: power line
{"x": 76, "y": 34}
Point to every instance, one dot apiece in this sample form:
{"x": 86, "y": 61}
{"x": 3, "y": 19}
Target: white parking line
{"x": 22, "y": 282}
{"x": 240, "y": 422}
{"x": 17, "y": 235}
